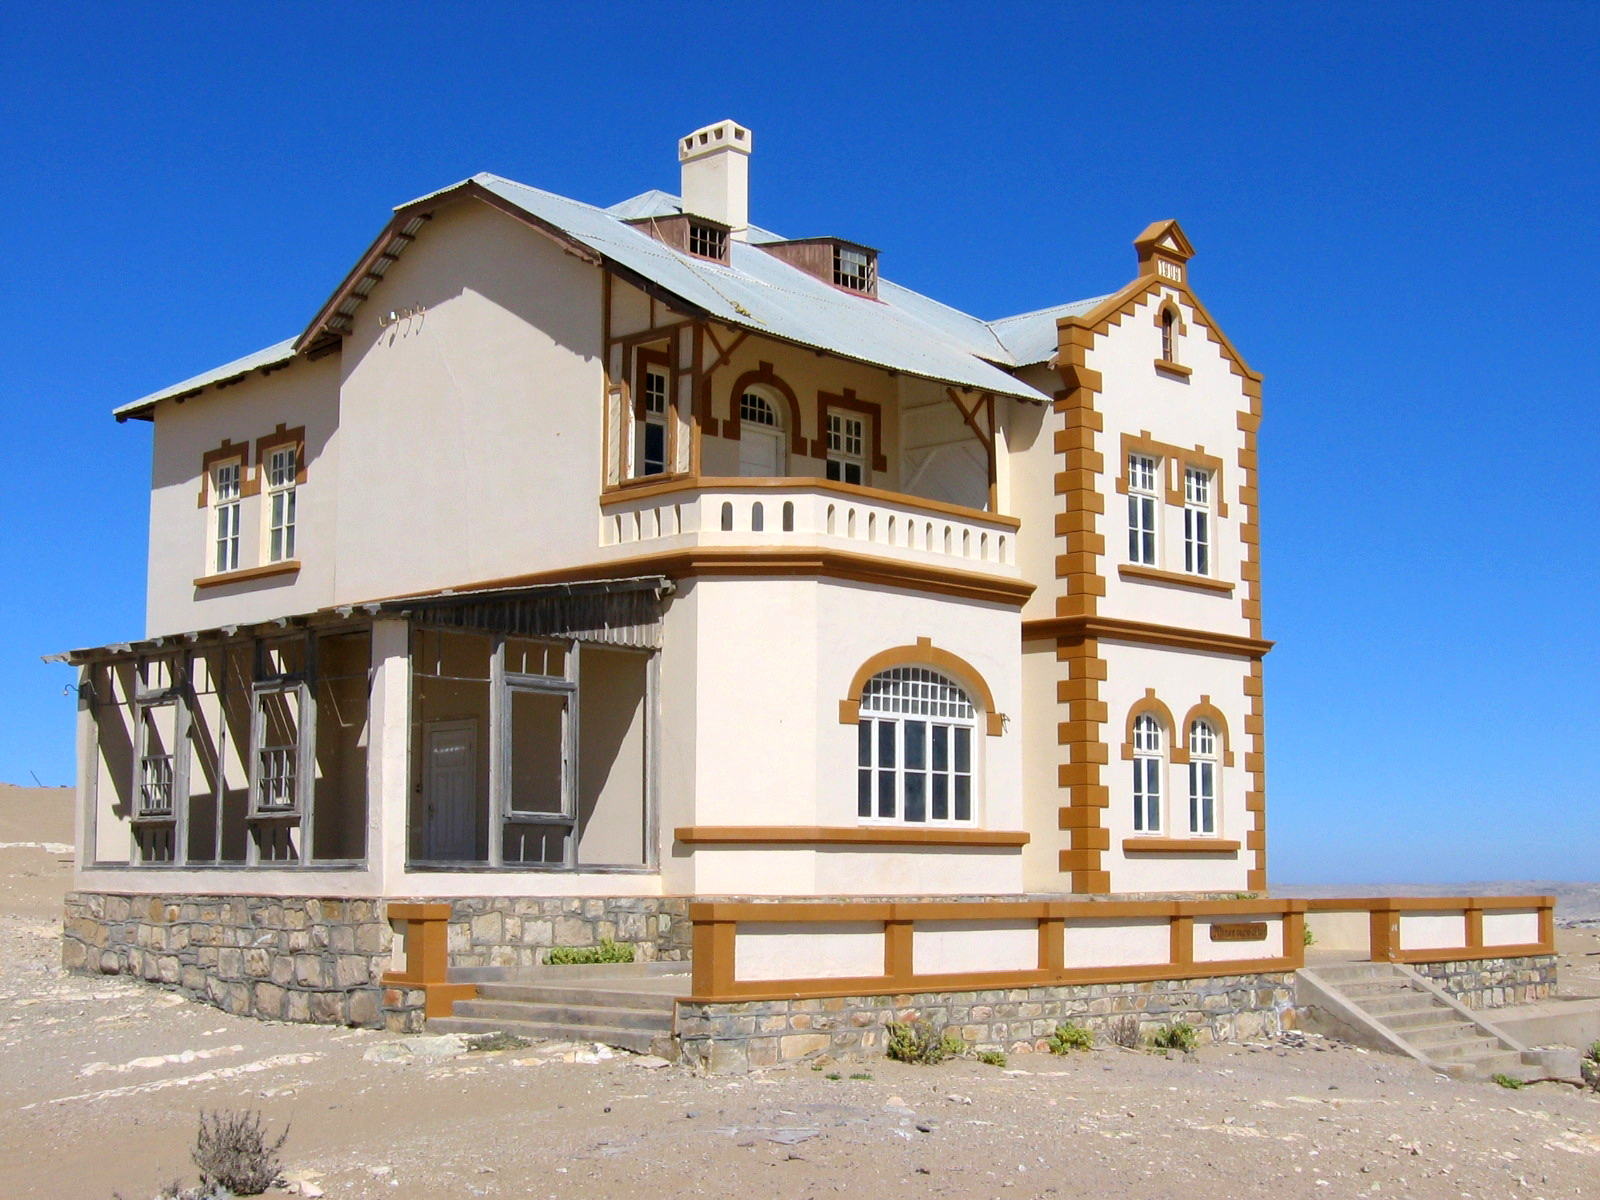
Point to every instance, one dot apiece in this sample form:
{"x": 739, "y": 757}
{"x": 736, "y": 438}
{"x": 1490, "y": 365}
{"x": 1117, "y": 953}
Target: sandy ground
{"x": 101, "y": 1081}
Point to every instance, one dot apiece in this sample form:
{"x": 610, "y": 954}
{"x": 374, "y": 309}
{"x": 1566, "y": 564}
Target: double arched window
{"x": 915, "y": 749}
{"x": 1200, "y": 752}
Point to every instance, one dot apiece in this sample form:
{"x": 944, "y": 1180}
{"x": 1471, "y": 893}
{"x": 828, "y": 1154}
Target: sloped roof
{"x": 900, "y": 330}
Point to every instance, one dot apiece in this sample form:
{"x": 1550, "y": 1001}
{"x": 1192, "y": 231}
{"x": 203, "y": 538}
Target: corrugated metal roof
{"x": 1031, "y": 337}
{"x": 760, "y": 292}
{"x": 901, "y": 330}
{"x": 270, "y": 357}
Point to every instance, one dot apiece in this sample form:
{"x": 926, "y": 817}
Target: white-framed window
{"x": 282, "y": 469}
{"x": 847, "y": 439}
{"x": 1143, "y": 537}
{"x": 915, "y": 749}
{"x": 762, "y": 450}
{"x": 1149, "y": 766}
{"x": 653, "y": 421}
{"x": 277, "y": 743}
{"x": 1196, "y": 521}
{"x": 1202, "y": 778}
{"x": 226, "y": 492}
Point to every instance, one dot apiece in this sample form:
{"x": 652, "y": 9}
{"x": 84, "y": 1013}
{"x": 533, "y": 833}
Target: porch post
{"x": 388, "y": 752}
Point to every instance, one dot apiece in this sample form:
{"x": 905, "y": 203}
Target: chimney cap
{"x": 723, "y": 135}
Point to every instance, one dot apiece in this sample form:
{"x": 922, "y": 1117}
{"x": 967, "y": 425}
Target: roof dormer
{"x": 847, "y": 265}
{"x": 1164, "y": 251}
{"x": 689, "y": 233}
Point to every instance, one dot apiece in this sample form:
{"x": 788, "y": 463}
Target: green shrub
{"x": 993, "y": 1058}
{"x": 1180, "y": 1035}
{"x": 1589, "y": 1066}
{"x": 864, "y": 1075}
{"x": 233, "y": 1153}
{"x": 1070, "y": 1037}
{"x": 607, "y": 951}
{"x": 1507, "y": 1081}
{"x": 1307, "y": 937}
{"x": 919, "y": 1042}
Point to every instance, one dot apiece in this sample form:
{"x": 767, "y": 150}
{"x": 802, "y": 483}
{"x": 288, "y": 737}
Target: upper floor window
{"x": 1202, "y": 778}
{"x": 653, "y": 421}
{"x": 846, "y": 448}
{"x": 1148, "y": 769}
{"x": 762, "y": 451}
{"x": 226, "y": 492}
{"x": 914, "y": 748}
{"x": 1142, "y": 533}
{"x": 853, "y": 269}
{"x": 281, "y": 476}
{"x": 708, "y": 241}
{"x": 1197, "y": 521}
{"x": 1169, "y": 336}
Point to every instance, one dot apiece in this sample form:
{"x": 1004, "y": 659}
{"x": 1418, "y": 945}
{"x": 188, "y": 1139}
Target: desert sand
{"x": 102, "y": 1080}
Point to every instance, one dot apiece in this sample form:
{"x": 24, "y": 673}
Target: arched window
{"x": 1149, "y": 764}
{"x": 914, "y": 748}
{"x": 1202, "y": 778}
{"x": 1169, "y": 335}
{"x": 762, "y": 451}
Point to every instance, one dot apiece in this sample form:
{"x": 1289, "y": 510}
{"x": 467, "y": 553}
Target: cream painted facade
{"x": 598, "y": 589}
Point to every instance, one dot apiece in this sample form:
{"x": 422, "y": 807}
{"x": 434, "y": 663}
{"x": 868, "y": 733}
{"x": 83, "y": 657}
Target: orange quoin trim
{"x": 1148, "y": 703}
{"x": 923, "y": 654}
{"x": 226, "y": 452}
{"x": 282, "y": 436}
{"x": 764, "y": 377}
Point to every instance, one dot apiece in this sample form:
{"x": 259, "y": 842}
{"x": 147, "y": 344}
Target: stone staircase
{"x": 631, "y": 1006}
{"x": 1390, "y": 1007}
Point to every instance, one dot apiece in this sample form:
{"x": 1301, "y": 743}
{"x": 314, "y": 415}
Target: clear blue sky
{"x": 1394, "y": 207}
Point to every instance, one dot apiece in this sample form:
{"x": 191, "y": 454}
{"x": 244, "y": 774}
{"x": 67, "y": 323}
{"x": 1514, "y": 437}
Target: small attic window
{"x": 708, "y": 241}
{"x": 854, "y": 269}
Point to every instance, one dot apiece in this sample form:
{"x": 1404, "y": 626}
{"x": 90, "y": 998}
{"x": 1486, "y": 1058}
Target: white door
{"x": 761, "y": 452}
{"x": 450, "y": 750}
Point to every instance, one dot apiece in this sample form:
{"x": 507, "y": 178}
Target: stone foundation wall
{"x": 286, "y": 958}
{"x": 739, "y": 1036}
{"x": 1495, "y": 982}
{"x": 505, "y": 931}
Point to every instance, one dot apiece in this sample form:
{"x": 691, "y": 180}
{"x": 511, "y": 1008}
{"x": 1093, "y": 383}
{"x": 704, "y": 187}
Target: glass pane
{"x": 941, "y": 798}
{"x": 864, "y": 744}
{"x": 536, "y": 845}
{"x": 537, "y": 719}
{"x": 916, "y": 796}
{"x": 886, "y": 736}
{"x": 864, "y": 793}
{"x": 941, "y": 747}
{"x": 963, "y": 749}
{"x": 963, "y": 798}
{"x": 886, "y": 793}
{"x": 916, "y": 745}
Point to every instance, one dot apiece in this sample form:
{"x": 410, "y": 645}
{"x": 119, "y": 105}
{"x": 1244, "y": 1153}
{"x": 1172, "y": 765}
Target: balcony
{"x": 807, "y": 519}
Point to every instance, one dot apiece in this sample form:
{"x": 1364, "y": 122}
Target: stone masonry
{"x": 286, "y": 958}
{"x": 506, "y": 931}
{"x": 1495, "y": 982}
{"x": 732, "y": 1038}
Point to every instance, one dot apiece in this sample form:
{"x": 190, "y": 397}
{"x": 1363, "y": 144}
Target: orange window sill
{"x": 1158, "y": 845}
{"x": 823, "y": 835}
{"x": 1152, "y": 575}
{"x": 287, "y": 567}
{"x": 1172, "y": 368}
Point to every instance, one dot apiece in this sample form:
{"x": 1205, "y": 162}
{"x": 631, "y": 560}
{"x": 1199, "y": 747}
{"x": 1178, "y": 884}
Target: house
{"x": 575, "y": 563}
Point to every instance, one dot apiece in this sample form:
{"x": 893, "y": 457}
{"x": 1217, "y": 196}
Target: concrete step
{"x": 1343, "y": 973}
{"x": 638, "y": 1040}
{"x": 1398, "y": 1005}
{"x": 1421, "y": 1014}
{"x": 1426, "y": 1037}
{"x": 599, "y": 1016}
{"x": 589, "y": 996}
{"x": 1375, "y": 987}
{"x": 545, "y": 973}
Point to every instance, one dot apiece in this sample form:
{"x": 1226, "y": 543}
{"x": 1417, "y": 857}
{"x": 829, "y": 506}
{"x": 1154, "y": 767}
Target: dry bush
{"x": 1124, "y": 1032}
{"x": 233, "y": 1153}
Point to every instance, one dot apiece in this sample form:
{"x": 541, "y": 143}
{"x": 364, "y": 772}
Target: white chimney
{"x": 716, "y": 174}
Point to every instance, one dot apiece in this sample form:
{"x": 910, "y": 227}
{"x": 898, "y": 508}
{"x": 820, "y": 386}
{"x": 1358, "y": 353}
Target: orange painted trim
{"x": 288, "y": 566}
{"x": 1172, "y": 368}
{"x": 1179, "y": 846}
{"x": 418, "y": 911}
{"x": 1425, "y": 903}
{"x": 1153, "y": 575}
{"x": 923, "y": 654}
{"x": 849, "y": 835}
{"x": 656, "y": 486}
{"x": 1118, "y": 630}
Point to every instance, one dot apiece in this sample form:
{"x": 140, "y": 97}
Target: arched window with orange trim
{"x": 915, "y": 756}
{"x": 1149, "y": 769}
{"x": 1202, "y": 778}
